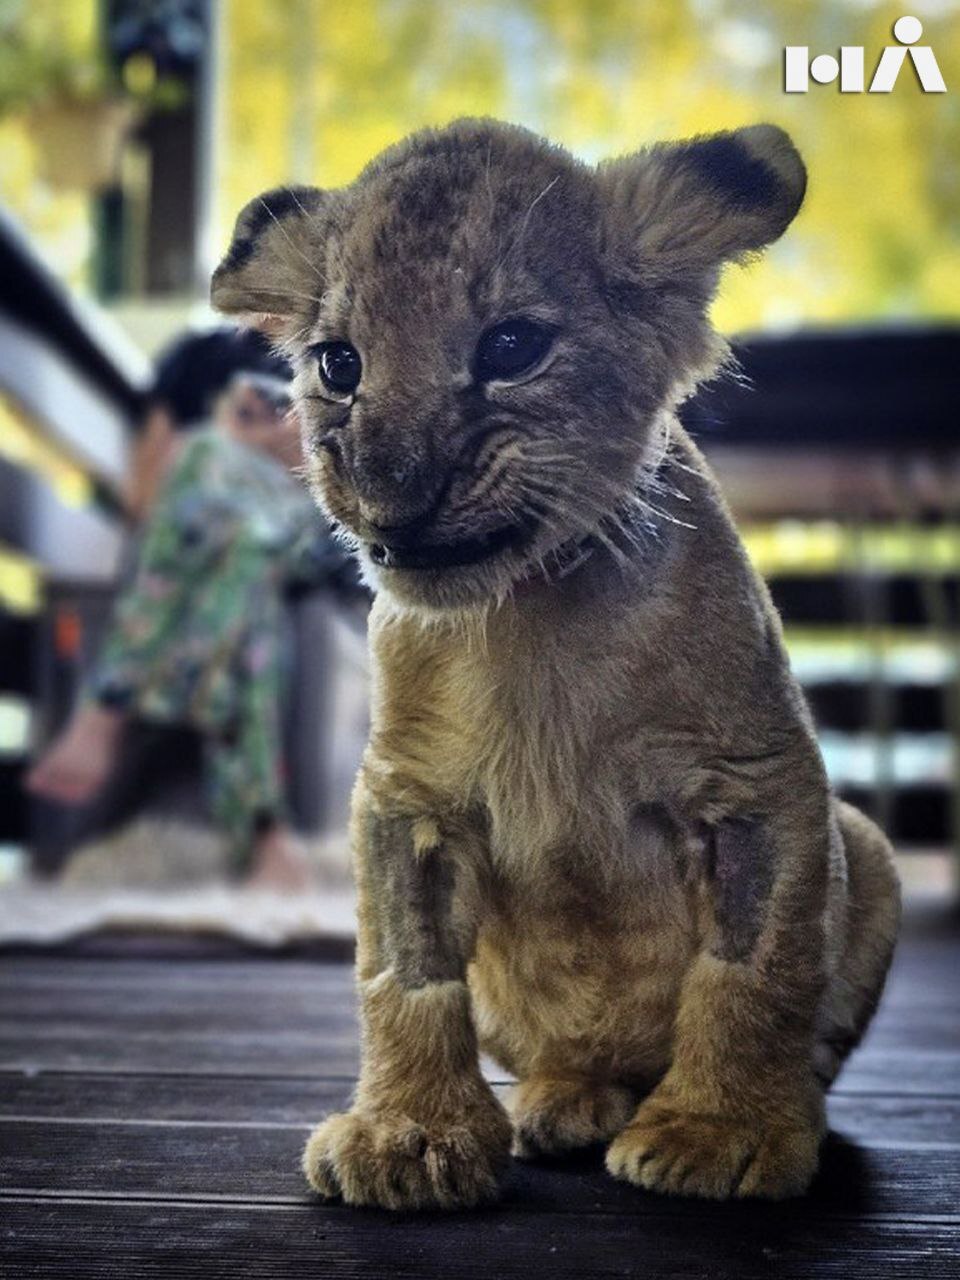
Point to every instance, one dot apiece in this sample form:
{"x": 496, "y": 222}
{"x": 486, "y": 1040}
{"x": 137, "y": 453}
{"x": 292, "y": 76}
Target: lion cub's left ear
{"x": 683, "y": 208}
{"x": 272, "y": 276}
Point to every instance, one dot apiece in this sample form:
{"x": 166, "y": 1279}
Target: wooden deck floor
{"x": 152, "y": 1112}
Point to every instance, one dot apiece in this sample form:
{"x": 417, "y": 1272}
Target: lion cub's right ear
{"x": 681, "y": 209}
{"x": 273, "y": 274}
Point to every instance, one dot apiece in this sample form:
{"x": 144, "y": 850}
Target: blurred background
{"x": 131, "y": 133}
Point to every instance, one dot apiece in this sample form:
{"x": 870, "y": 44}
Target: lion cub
{"x": 593, "y": 835}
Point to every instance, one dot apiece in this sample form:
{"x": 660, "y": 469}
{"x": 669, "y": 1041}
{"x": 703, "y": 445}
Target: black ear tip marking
{"x": 756, "y": 167}
{"x": 274, "y": 206}
{"x": 239, "y": 252}
{"x": 728, "y": 165}
{"x": 256, "y": 220}
{"x": 775, "y": 146}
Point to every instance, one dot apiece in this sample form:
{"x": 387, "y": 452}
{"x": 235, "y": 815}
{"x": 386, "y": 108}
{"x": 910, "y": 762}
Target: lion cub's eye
{"x": 340, "y": 366}
{"x": 510, "y": 349}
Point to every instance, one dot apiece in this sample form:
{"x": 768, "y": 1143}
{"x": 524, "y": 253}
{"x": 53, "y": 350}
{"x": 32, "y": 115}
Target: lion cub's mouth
{"x": 448, "y": 555}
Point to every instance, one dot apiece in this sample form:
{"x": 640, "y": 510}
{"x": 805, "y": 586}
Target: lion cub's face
{"x": 485, "y": 331}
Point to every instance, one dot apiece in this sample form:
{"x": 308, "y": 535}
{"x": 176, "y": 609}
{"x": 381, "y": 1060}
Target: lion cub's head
{"x": 486, "y": 333}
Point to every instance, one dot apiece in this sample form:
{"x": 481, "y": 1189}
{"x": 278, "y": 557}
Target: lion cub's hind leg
{"x": 552, "y": 1114}
{"x": 871, "y": 922}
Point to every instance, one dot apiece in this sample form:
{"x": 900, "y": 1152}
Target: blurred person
{"x": 196, "y": 638}
{"x": 190, "y": 374}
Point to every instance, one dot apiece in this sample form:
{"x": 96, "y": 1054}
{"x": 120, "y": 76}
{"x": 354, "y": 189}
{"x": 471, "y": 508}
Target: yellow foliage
{"x": 314, "y": 90}
{"x": 58, "y": 223}
{"x": 311, "y": 90}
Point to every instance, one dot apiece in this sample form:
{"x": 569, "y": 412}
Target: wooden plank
{"x": 173, "y": 1148}
{"x": 927, "y": 1022}
{"x": 276, "y": 1018}
{"x": 907, "y": 1072}
{"x": 740, "y": 1242}
{"x": 117, "y": 943}
{"x": 264, "y": 1100}
{"x": 182, "y": 1011}
{"x": 926, "y": 965}
{"x": 197, "y": 1051}
{"x": 309, "y": 1056}
{"x": 918, "y": 957}
{"x": 923, "y": 967}
{"x": 26, "y": 974}
{"x": 269, "y": 1102}
{"x": 261, "y": 1164}
{"x": 923, "y": 975}
{"x": 918, "y": 1057}
{"x": 922, "y": 1025}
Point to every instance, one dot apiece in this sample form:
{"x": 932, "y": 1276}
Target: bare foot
{"x": 78, "y": 763}
{"x": 281, "y": 863}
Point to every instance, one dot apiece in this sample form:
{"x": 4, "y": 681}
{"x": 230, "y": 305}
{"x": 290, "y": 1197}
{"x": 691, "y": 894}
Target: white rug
{"x": 162, "y": 877}
{"x": 42, "y": 913}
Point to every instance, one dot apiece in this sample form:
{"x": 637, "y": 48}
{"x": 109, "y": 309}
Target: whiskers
{"x": 576, "y": 506}
{"x": 314, "y": 269}
{"x": 284, "y": 292}
{"x": 517, "y": 241}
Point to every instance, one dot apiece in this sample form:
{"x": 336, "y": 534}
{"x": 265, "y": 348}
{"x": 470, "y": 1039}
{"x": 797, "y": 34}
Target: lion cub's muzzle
{"x": 448, "y": 555}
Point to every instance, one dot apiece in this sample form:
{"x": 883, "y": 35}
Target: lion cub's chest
{"x": 515, "y": 729}
{"x": 504, "y": 729}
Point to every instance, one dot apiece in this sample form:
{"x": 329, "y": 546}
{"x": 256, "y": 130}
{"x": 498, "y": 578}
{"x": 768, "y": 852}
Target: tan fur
{"x": 436, "y": 1137}
{"x": 592, "y": 832}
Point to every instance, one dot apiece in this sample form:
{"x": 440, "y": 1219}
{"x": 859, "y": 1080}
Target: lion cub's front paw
{"x": 550, "y": 1116}
{"x": 392, "y": 1161}
{"x": 695, "y": 1155}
